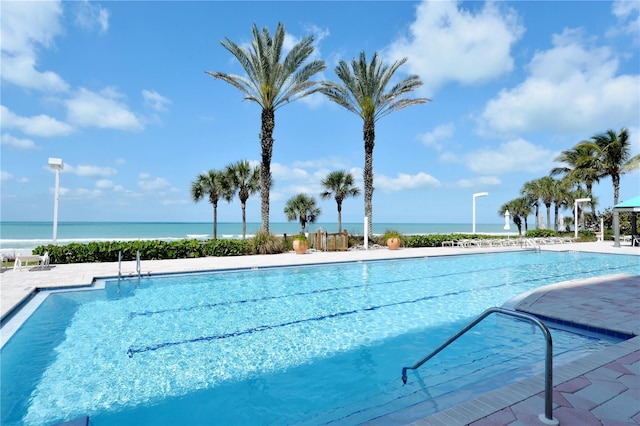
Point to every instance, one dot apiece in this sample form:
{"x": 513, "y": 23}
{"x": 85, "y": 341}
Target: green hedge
{"x": 149, "y": 250}
{"x": 436, "y": 240}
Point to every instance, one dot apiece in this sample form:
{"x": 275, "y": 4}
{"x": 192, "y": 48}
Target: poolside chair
{"x": 23, "y": 260}
{"x": 635, "y": 240}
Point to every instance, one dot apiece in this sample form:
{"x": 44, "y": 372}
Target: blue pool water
{"x": 298, "y": 345}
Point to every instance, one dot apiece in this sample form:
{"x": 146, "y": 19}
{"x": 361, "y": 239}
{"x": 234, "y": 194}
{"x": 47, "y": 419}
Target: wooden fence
{"x": 324, "y": 241}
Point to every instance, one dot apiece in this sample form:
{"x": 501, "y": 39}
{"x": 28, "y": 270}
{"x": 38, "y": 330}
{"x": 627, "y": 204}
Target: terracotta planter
{"x": 300, "y": 246}
{"x": 393, "y": 243}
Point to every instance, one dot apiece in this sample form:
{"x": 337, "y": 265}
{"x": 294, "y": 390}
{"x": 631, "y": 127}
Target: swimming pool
{"x": 298, "y": 345}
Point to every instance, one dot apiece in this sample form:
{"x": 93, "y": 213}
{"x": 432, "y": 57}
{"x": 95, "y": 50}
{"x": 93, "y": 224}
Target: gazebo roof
{"x": 631, "y": 205}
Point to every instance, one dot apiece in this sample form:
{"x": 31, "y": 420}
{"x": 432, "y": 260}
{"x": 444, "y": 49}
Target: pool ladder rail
{"x": 138, "y": 270}
{"x": 546, "y": 418}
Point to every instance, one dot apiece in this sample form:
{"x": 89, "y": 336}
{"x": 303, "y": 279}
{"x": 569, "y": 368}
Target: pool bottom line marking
{"x": 133, "y": 315}
{"x": 132, "y": 351}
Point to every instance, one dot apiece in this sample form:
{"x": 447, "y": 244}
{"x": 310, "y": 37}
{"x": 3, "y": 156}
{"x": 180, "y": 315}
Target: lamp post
{"x": 575, "y": 213}
{"x": 476, "y": 195}
{"x": 57, "y": 165}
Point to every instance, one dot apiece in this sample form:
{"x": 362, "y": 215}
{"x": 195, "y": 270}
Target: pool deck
{"x": 601, "y": 388}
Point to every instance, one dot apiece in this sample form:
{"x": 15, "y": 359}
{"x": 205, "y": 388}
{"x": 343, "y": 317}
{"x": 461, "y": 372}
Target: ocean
{"x": 25, "y": 236}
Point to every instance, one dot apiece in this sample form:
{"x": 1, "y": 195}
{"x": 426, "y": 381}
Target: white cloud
{"x": 26, "y": 144}
{"x": 405, "y": 181}
{"x": 628, "y": 13}
{"x": 21, "y": 71}
{"x": 5, "y": 176}
{"x": 328, "y": 162}
{"x": 155, "y": 100}
{"x": 433, "y": 139}
{"x": 25, "y": 27}
{"x": 90, "y": 171}
{"x": 90, "y": 15}
{"x": 481, "y": 181}
{"x": 104, "y": 110}
{"x": 571, "y": 87}
{"x": 447, "y": 43}
{"x": 513, "y": 156}
{"x": 80, "y": 193}
{"x": 39, "y": 125}
{"x": 157, "y": 184}
{"x": 104, "y": 184}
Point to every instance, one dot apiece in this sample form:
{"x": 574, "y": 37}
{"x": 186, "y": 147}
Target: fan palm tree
{"x": 520, "y": 209}
{"x": 340, "y": 184}
{"x": 244, "y": 180}
{"x": 531, "y": 192}
{"x": 271, "y": 83}
{"x": 613, "y": 156}
{"x": 364, "y": 92}
{"x": 303, "y": 208}
{"x": 581, "y": 166}
{"x": 560, "y": 196}
{"x": 211, "y": 185}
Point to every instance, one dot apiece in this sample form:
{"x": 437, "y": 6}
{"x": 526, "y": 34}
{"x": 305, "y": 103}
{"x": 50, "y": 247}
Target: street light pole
{"x": 57, "y": 165}
{"x": 575, "y": 214}
{"x": 476, "y": 195}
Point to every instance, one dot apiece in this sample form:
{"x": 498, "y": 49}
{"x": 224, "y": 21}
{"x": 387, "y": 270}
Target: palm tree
{"x": 540, "y": 189}
{"x": 211, "y": 185}
{"x": 560, "y": 197}
{"x": 581, "y": 167}
{"x": 271, "y": 84}
{"x": 531, "y": 192}
{"x": 339, "y": 184}
{"x": 364, "y": 92}
{"x": 244, "y": 180}
{"x": 613, "y": 156}
{"x": 520, "y": 209}
{"x": 303, "y": 208}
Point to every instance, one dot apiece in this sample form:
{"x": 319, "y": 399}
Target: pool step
{"x": 80, "y": 421}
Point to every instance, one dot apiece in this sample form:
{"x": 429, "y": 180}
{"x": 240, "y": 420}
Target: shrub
{"x": 265, "y": 243}
{"x": 540, "y": 233}
{"x": 107, "y": 251}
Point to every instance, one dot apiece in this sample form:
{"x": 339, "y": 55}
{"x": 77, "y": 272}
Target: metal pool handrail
{"x": 547, "y": 417}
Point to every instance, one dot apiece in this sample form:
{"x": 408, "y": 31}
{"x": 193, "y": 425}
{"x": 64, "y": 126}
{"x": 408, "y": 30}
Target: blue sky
{"x": 118, "y": 90}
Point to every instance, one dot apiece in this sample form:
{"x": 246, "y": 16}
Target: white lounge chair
{"x": 24, "y": 259}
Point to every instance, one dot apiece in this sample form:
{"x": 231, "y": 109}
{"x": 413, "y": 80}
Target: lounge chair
{"x": 635, "y": 240}
{"x": 24, "y": 259}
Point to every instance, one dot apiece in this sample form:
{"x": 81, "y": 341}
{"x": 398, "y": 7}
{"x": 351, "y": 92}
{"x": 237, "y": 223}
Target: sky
{"x": 118, "y": 91}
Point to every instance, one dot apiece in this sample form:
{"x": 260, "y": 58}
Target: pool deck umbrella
{"x": 632, "y": 205}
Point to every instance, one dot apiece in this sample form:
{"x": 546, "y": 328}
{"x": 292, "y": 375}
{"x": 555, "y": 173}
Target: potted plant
{"x": 300, "y": 244}
{"x": 392, "y": 238}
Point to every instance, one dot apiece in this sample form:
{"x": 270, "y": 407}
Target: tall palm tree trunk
{"x": 268, "y": 124}
{"x": 215, "y": 221}
{"x": 615, "y": 179}
{"x": 244, "y": 219}
{"x": 593, "y": 205}
{"x": 339, "y": 217}
{"x": 369, "y": 138}
{"x": 548, "y": 216}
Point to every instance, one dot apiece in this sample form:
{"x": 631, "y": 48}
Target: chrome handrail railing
{"x": 547, "y": 417}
